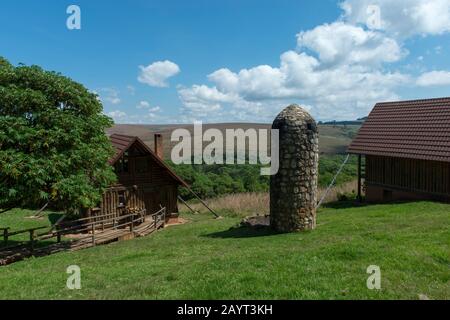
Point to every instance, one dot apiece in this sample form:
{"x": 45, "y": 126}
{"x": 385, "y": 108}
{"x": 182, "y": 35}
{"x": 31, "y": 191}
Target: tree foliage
{"x": 211, "y": 181}
{"x": 53, "y": 146}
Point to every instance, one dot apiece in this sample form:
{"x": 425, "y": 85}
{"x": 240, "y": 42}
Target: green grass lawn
{"x": 205, "y": 259}
{"x": 21, "y": 219}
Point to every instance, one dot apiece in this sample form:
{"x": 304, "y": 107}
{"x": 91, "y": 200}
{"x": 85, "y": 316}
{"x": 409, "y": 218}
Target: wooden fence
{"x": 90, "y": 231}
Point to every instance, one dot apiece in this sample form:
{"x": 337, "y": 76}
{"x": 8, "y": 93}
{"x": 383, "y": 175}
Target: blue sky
{"x": 230, "y": 61}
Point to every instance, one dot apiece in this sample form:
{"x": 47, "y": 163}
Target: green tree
{"x": 53, "y": 147}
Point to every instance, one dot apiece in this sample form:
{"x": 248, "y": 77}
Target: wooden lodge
{"x": 406, "y": 146}
{"x": 144, "y": 180}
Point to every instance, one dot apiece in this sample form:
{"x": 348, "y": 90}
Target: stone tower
{"x": 293, "y": 190}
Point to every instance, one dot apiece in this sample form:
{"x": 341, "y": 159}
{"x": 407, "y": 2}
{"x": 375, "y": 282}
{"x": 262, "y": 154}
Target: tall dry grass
{"x": 245, "y": 204}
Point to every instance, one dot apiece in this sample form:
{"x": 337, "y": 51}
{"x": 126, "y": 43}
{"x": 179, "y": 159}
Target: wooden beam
{"x": 202, "y": 202}
{"x": 39, "y": 212}
{"x": 186, "y": 204}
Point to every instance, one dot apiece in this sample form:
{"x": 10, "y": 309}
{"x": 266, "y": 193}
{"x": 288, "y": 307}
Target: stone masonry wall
{"x": 293, "y": 190}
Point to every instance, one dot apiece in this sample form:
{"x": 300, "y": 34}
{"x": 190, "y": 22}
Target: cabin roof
{"x": 415, "y": 129}
{"x": 121, "y": 143}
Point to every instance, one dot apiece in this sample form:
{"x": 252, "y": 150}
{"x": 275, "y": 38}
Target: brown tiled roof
{"x": 122, "y": 142}
{"x": 417, "y": 129}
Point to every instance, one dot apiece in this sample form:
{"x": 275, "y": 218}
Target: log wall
{"x": 419, "y": 176}
{"x": 149, "y": 190}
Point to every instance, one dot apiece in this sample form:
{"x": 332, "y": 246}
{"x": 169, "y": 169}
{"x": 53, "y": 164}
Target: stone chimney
{"x": 293, "y": 190}
{"x": 159, "y": 146}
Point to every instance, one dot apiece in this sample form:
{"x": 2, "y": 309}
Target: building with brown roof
{"x": 406, "y": 146}
{"x": 144, "y": 181}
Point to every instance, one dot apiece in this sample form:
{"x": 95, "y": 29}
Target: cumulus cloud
{"x": 157, "y": 73}
{"x": 152, "y": 112}
{"x": 154, "y": 109}
{"x": 131, "y": 90}
{"x": 336, "y": 85}
{"x": 340, "y": 43}
{"x": 402, "y": 18}
{"x": 202, "y": 100}
{"x": 117, "y": 115}
{"x": 109, "y": 95}
{"x": 143, "y": 105}
{"x": 434, "y": 78}
{"x": 339, "y": 69}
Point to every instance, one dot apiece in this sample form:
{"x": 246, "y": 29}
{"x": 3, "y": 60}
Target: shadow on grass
{"x": 345, "y": 204}
{"x": 10, "y": 243}
{"x": 54, "y": 217}
{"x": 355, "y": 204}
{"x": 243, "y": 232}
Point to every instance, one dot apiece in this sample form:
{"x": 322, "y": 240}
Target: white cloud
{"x": 340, "y": 70}
{"x": 336, "y": 91}
{"x": 402, "y": 18}
{"x": 109, "y": 95}
{"x": 152, "y": 112}
{"x": 117, "y": 115}
{"x": 131, "y": 90}
{"x": 340, "y": 43}
{"x": 157, "y": 73}
{"x": 143, "y": 105}
{"x": 434, "y": 78}
{"x": 154, "y": 109}
{"x": 202, "y": 100}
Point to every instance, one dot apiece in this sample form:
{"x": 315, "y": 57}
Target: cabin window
{"x": 141, "y": 165}
{"x": 122, "y": 200}
{"x": 122, "y": 166}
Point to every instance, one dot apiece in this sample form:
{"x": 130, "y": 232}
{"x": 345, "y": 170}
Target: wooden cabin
{"x": 406, "y": 146}
{"x": 144, "y": 181}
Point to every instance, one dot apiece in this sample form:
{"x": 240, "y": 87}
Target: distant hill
{"x": 356, "y": 122}
{"x": 333, "y": 139}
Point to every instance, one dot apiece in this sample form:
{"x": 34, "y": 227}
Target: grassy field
{"x": 212, "y": 259}
{"x": 22, "y": 219}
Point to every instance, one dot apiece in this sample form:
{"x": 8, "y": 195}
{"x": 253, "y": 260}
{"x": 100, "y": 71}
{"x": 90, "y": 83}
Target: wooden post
{"x": 164, "y": 217}
{"x": 359, "y": 179}
{"x": 132, "y": 224}
{"x": 89, "y": 214}
{"x": 5, "y": 235}
{"x": 93, "y": 233}
{"x": 32, "y": 240}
